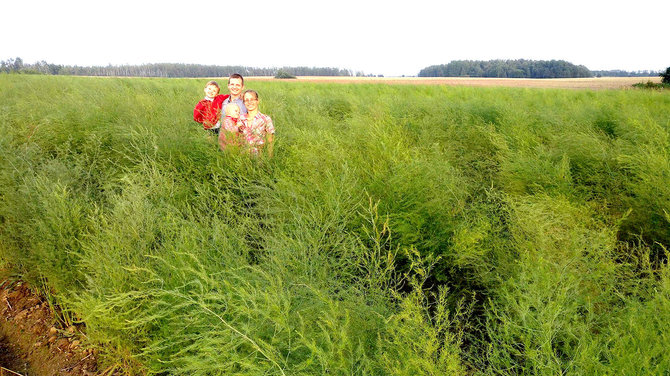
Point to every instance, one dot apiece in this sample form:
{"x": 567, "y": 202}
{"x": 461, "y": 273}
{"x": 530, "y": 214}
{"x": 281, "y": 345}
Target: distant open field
{"x": 565, "y": 83}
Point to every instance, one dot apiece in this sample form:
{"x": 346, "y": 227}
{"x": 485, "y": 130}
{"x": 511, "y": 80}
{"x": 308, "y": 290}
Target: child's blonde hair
{"x": 230, "y": 107}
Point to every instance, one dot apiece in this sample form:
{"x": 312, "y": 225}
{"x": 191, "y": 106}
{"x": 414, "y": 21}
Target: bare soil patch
{"x": 550, "y": 83}
{"x": 9, "y": 361}
{"x": 31, "y": 343}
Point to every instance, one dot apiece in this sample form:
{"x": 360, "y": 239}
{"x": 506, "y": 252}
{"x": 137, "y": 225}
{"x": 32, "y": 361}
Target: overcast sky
{"x": 376, "y": 37}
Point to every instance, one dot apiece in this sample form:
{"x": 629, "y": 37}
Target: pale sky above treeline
{"x": 374, "y": 37}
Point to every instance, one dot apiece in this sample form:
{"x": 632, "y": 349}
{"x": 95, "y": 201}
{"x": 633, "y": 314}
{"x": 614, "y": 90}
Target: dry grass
{"x": 565, "y": 83}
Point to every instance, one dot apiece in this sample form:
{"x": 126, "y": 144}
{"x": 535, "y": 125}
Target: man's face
{"x": 211, "y": 91}
{"x": 235, "y": 86}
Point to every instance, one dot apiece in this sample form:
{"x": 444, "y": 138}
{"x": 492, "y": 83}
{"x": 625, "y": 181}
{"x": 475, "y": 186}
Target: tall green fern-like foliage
{"x": 398, "y": 230}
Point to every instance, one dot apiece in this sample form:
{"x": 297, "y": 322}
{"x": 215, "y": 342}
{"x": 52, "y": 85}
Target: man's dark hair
{"x": 236, "y": 75}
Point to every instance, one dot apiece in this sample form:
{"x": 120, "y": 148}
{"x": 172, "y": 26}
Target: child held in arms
{"x": 230, "y": 134}
{"x": 208, "y": 111}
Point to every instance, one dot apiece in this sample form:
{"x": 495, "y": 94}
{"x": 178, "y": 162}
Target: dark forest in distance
{"x": 520, "y": 68}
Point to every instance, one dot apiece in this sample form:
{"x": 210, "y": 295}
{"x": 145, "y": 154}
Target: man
{"x": 235, "y": 87}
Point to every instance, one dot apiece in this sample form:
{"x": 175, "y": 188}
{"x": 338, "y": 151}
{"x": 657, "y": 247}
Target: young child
{"x": 230, "y": 136}
{"x": 208, "y": 111}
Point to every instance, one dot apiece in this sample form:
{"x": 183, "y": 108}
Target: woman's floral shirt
{"x": 255, "y": 130}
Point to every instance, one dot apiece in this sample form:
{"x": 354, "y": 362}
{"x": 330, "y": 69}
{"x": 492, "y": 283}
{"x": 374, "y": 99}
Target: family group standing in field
{"x": 235, "y": 118}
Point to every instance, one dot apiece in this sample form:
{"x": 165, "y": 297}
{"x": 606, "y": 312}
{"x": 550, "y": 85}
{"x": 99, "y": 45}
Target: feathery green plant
{"x": 398, "y": 230}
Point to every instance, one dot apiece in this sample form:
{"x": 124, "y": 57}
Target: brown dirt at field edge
{"x": 9, "y": 360}
{"x": 30, "y": 341}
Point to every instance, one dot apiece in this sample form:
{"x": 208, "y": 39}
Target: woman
{"x": 256, "y": 128}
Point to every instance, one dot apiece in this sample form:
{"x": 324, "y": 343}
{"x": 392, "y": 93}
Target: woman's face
{"x": 250, "y": 102}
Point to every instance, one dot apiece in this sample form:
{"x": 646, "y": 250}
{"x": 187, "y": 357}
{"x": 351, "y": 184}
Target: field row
{"x": 397, "y": 230}
{"x": 550, "y": 83}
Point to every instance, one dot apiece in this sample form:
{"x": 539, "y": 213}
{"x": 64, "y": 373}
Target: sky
{"x": 392, "y": 38}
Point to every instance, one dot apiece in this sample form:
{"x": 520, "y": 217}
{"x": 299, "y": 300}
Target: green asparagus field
{"x": 398, "y": 229}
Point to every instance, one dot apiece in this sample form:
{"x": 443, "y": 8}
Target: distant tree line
{"x": 523, "y": 69}
{"x": 507, "y": 69}
{"x": 622, "y": 73}
{"x": 459, "y": 68}
{"x": 162, "y": 70}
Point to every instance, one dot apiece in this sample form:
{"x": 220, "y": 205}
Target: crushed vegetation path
{"x": 30, "y": 341}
